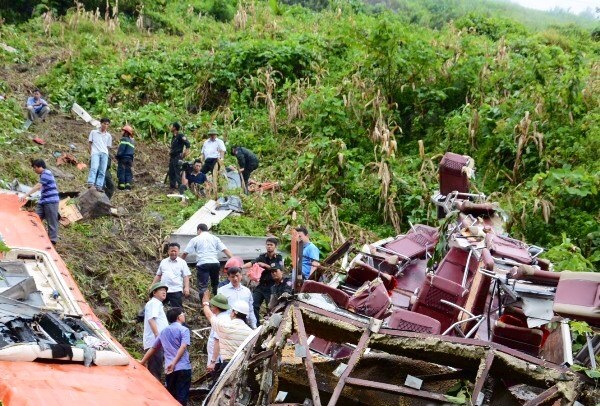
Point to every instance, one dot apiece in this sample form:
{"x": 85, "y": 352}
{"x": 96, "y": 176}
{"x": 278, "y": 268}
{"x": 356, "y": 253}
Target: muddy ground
{"x": 112, "y": 258}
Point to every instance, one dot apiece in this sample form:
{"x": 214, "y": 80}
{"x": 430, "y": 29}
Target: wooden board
{"x": 69, "y": 213}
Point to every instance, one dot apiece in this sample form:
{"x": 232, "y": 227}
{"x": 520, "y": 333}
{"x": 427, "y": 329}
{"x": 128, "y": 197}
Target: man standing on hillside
{"x": 100, "y": 142}
{"x": 235, "y": 292}
{"x": 280, "y": 286}
{"x": 37, "y": 108}
{"x": 247, "y": 163}
{"x": 206, "y": 247}
{"x": 47, "y": 207}
{"x": 267, "y": 261}
{"x": 174, "y": 272}
{"x": 124, "y": 156}
{"x": 213, "y": 151}
{"x": 310, "y": 253}
{"x": 155, "y": 321}
{"x": 180, "y": 147}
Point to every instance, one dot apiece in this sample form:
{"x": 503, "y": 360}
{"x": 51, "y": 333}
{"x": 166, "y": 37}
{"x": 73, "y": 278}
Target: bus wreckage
{"x": 460, "y": 314}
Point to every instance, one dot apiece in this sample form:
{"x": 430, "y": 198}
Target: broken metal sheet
{"x": 538, "y": 311}
{"x": 207, "y": 214}
{"x": 84, "y": 115}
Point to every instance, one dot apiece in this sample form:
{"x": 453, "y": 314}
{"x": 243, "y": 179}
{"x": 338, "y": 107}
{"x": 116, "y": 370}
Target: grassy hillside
{"x": 349, "y": 108}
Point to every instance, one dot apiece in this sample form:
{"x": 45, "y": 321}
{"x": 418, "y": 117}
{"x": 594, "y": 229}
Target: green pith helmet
{"x": 220, "y": 301}
{"x": 213, "y": 131}
{"x": 155, "y": 286}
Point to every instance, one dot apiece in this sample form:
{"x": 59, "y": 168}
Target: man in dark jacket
{"x": 247, "y": 163}
{"x": 125, "y": 159}
{"x": 267, "y": 261}
{"x": 180, "y": 147}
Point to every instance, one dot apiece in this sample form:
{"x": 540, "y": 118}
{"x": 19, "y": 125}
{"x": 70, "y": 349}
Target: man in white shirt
{"x": 219, "y": 307}
{"x": 232, "y": 330}
{"x": 175, "y": 273}
{"x": 155, "y": 320}
{"x": 213, "y": 151}
{"x": 206, "y": 247}
{"x": 100, "y": 141}
{"x": 234, "y": 291}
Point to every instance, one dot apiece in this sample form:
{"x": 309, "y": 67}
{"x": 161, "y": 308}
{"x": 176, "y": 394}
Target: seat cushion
{"x": 410, "y": 321}
{"x": 340, "y": 298}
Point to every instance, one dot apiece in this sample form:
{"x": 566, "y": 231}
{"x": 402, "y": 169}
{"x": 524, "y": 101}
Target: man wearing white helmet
{"x": 232, "y": 331}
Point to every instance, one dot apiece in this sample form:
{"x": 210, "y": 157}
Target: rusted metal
{"x": 310, "y": 370}
{"x": 354, "y": 358}
{"x": 546, "y": 396}
{"x": 397, "y": 389}
{"x": 482, "y": 373}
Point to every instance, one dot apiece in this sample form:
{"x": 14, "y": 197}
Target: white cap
{"x": 241, "y": 306}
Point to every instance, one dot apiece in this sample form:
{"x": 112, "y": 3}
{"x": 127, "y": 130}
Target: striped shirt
{"x": 231, "y": 333}
{"x": 49, "y": 193}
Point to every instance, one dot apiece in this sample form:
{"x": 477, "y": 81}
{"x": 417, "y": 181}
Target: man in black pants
{"x": 207, "y": 248}
{"x": 267, "y": 261}
{"x": 180, "y": 147}
{"x": 247, "y": 163}
{"x": 213, "y": 151}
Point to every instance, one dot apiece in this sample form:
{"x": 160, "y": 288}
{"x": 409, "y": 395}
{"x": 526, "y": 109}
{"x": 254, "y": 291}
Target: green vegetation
{"x": 350, "y": 109}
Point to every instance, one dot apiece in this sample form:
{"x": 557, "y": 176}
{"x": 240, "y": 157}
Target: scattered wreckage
{"x": 53, "y": 348}
{"x": 486, "y": 325}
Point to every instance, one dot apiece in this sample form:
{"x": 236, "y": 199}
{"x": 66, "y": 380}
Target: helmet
{"x": 241, "y": 307}
{"x": 233, "y": 261}
{"x": 213, "y": 131}
{"x": 156, "y": 286}
{"x": 128, "y": 129}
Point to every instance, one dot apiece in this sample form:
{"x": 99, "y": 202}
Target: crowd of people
{"x": 232, "y": 309}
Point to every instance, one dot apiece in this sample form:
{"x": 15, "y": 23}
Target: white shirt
{"x": 232, "y": 333}
{"x": 212, "y": 149}
{"x": 153, "y": 310}
{"x": 241, "y": 293}
{"x": 206, "y": 247}
{"x": 210, "y": 345}
{"x": 101, "y": 142}
{"x": 172, "y": 272}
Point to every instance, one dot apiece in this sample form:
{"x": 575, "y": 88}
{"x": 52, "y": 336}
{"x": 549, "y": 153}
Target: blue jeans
{"x": 178, "y": 385}
{"x": 98, "y": 164}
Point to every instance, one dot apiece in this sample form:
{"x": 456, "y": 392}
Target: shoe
{"x": 99, "y": 189}
{"x": 121, "y": 186}
{"x": 128, "y": 187}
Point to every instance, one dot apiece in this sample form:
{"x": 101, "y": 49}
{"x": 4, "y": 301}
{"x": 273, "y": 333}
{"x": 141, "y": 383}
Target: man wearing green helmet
{"x": 213, "y": 151}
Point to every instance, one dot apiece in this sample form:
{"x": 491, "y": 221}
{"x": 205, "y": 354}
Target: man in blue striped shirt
{"x": 47, "y": 207}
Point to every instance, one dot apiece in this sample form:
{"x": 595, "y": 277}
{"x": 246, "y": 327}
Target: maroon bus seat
{"x": 476, "y": 209}
{"x": 410, "y": 321}
{"x": 534, "y": 274}
{"x": 508, "y": 248}
{"x": 432, "y": 292}
{"x": 371, "y": 300}
{"x": 511, "y": 330}
{"x": 452, "y": 177}
{"x": 362, "y": 272}
{"x": 578, "y": 296}
{"x": 340, "y": 298}
{"x": 452, "y": 266}
{"x": 431, "y": 233}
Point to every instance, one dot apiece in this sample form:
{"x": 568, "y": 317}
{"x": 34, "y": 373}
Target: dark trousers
{"x": 156, "y": 365}
{"x": 262, "y": 293}
{"x": 109, "y": 184}
{"x": 49, "y": 212}
{"x": 208, "y": 165}
{"x": 174, "y": 172}
{"x": 174, "y": 299}
{"x": 124, "y": 172}
{"x": 178, "y": 385}
{"x": 216, "y": 373}
{"x": 205, "y": 272}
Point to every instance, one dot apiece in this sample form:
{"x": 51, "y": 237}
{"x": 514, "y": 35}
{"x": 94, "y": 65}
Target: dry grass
{"x": 525, "y": 133}
{"x": 265, "y": 79}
